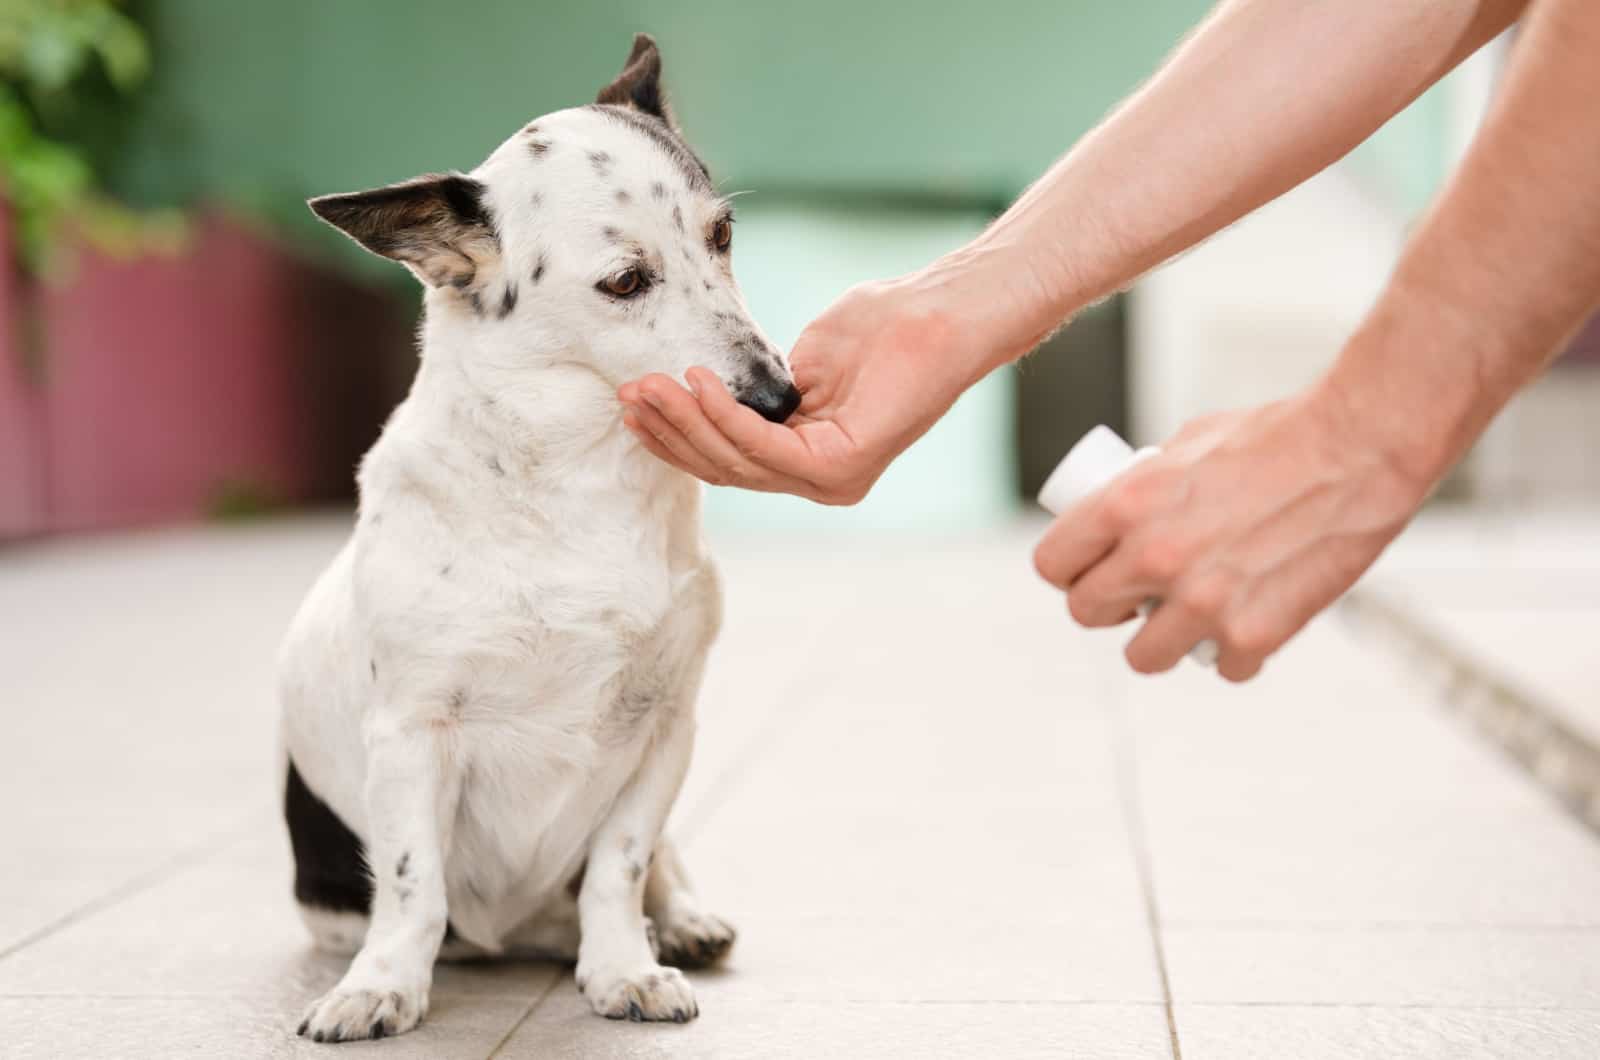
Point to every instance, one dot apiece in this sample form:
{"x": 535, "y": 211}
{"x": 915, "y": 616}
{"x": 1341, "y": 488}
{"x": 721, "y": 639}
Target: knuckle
{"x": 1248, "y": 637}
{"x": 1043, "y": 565}
{"x": 1125, "y": 505}
{"x": 1160, "y": 559}
{"x": 1082, "y": 608}
{"x": 1203, "y": 596}
{"x": 1238, "y": 672}
{"x": 1141, "y": 662}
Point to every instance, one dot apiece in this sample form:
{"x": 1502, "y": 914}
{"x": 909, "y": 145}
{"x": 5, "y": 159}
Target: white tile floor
{"x": 940, "y": 817}
{"x": 1517, "y": 587}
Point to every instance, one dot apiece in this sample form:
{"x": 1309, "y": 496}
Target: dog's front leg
{"x": 617, "y": 969}
{"x": 412, "y": 789}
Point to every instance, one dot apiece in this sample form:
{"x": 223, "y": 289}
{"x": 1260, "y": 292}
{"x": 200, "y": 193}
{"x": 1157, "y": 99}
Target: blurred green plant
{"x": 56, "y": 58}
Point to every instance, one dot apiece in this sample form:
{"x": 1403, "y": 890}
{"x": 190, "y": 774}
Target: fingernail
{"x": 694, "y": 385}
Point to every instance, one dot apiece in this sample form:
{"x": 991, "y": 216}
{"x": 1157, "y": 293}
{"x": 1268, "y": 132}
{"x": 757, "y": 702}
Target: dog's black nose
{"x": 775, "y": 399}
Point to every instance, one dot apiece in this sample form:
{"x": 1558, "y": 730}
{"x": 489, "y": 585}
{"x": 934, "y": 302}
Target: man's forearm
{"x": 1263, "y": 95}
{"x": 1505, "y": 267}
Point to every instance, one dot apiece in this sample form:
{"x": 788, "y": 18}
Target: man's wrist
{"x": 1410, "y": 384}
{"x": 1001, "y": 302}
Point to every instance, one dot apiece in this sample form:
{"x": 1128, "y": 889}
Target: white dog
{"x": 488, "y": 697}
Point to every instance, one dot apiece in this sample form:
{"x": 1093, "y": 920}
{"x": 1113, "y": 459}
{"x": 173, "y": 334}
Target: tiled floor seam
{"x": 527, "y": 1013}
{"x": 194, "y": 855}
{"x": 1531, "y": 732}
{"x": 1126, "y": 756}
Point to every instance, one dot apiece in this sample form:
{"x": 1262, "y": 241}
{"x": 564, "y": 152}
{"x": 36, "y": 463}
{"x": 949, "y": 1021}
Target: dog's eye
{"x": 722, "y": 234}
{"x": 626, "y": 283}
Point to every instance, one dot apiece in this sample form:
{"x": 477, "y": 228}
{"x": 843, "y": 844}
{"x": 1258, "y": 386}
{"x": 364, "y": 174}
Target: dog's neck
{"x": 551, "y": 440}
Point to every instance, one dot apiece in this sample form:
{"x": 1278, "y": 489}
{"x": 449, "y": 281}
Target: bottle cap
{"x": 1094, "y": 461}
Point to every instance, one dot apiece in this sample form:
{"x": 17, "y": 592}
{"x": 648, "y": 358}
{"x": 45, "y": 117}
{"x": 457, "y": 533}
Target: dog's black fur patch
{"x": 639, "y": 84}
{"x": 391, "y": 218}
{"x": 330, "y": 869}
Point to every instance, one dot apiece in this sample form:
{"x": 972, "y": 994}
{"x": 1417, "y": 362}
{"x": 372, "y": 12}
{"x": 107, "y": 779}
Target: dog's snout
{"x": 773, "y": 396}
{"x": 774, "y": 403}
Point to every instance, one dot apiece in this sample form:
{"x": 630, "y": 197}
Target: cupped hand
{"x": 1244, "y": 526}
{"x": 876, "y": 370}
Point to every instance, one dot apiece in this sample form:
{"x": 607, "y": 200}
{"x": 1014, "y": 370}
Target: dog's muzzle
{"x": 774, "y": 398}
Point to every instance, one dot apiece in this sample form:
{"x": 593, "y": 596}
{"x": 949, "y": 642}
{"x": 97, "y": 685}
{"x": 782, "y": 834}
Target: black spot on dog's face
{"x": 677, "y": 218}
{"x": 536, "y": 200}
{"x": 622, "y": 197}
{"x": 600, "y": 161}
{"x": 538, "y": 148}
{"x": 373, "y": 663}
{"x": 404, "y": 863}
{"x": 494, "y": 466}
{"x": 538, "y": 269}
{"x": 444, "y": 571}
{"x": 508, "y": 302}
{"x": 611, "y": 233}
{"x": 658, "y": 190}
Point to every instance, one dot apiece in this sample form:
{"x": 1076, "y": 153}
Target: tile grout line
{"x": 526, "y": 1013}
{"x": 1561, "y": 762}
{"x": 1133, "y": 819}
{"x": 138, "y": 883}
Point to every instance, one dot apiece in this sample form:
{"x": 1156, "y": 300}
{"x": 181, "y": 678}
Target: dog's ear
{"x": 437, "y": 225}
{"x": 639, "y": 84}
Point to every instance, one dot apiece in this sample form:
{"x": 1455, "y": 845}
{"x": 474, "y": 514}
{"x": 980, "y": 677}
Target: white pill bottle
{"x": 1100, "y": 456}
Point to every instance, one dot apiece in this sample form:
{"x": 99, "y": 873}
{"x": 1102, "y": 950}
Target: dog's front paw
{"x": 695, "y": 941}
{"x": 343, "y": 1015}
{"x": 648, "y": 993}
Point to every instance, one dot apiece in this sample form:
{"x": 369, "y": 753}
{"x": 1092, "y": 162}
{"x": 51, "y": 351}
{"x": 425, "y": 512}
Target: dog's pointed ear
{"x": 639, "y": 84}
{"x": 437, "y": 225}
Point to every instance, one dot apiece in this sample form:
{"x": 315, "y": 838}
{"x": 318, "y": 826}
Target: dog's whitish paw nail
{"x": 646, "y": 995}
{"x": 696, "y": 941}
{"x": 353, "y": 1015}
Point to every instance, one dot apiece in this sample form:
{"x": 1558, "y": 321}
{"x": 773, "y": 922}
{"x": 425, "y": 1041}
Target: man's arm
{"x": 1262, "y": 95}
{"x": 1505, "y": 268}
{"x": 1248, "y": 524}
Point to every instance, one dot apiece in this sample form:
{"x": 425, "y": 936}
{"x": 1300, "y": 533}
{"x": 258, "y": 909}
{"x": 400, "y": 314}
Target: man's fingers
{"x": 685, "y": 438}
{"x": 630, "y": 420}
{"x": 679, "y": 452}
{"x": 1079, "y": 538}
{"x": 1165, "y": 638}
{"x": 1104, "y": 594}
{"x": 770, "y": 445}
{"x": 680, "y": 409}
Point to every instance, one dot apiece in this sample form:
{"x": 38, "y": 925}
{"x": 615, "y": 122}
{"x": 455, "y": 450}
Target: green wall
{"x": 263, "y": 103}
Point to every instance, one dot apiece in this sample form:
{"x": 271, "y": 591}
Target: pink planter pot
{"x": 22, "y": 486}
{"x": 230, "y": 375}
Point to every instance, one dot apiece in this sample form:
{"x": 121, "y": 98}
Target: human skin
{"x": 1247, "y": 524}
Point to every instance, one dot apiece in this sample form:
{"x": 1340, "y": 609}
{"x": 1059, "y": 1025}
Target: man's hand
{"x": 1244, "y": 526}
{"x": 876, "y": 370}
